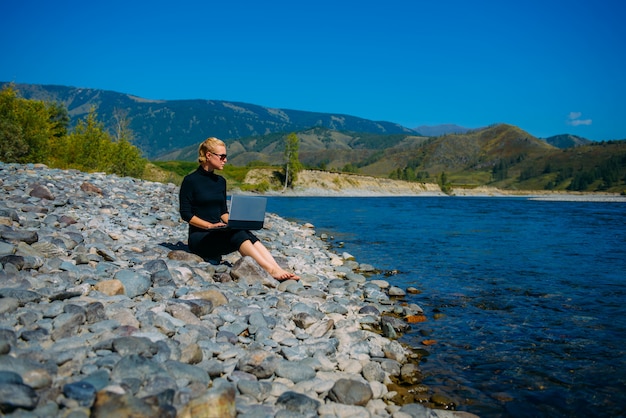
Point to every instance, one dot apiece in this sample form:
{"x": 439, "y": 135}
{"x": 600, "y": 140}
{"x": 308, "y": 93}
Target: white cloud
{"x": 578, "y": 122}
{"x": 573, "y": 119}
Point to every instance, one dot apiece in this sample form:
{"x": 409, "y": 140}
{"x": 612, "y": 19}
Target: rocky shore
{"x": 104, "y": 313}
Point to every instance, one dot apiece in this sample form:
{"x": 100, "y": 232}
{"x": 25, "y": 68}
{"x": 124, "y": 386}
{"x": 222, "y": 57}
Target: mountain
{"x": 567, "y": 141}
{"x": 161, "y": 126}
{"x": 381, "y": 154}
{"x": 500, "y": 155}
{"x": 438, "y": 130}
{"x": 468, "y": 154}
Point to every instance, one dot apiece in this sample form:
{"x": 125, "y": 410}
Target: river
{"x": 525, "y": 299}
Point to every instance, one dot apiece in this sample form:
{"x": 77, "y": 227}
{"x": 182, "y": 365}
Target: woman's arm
{"x": 202, "y": 224}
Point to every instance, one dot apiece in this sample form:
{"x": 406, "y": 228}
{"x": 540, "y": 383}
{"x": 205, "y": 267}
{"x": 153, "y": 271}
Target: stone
{"x": 258, "y": 390}
{"x": 67, "y": 324}
{"x": 90, "y": 188}
{"x": 260, "y": 363}
{"x": 397, "y": 324}
{"x": 83, "y": 392}
{"x": 350, "y": 392}
{"x": 250, "y": 272}
{"x": 410, "y": 374}
{"x": 216, "y": 297}
{"x": 216, "y": 402}
{"x": 373, "y": 372}
{"x": 105, "y": 312}
{"x": 110, "y": 287}
{"x": 17, "y": 396}
{"x": 135, "y": 284}
{"x": 191, "y": 354}
{"x": 181, "y": 255}
{"x": 41, "y": 192}
{"x": 396, "y": 291}
{"x": 110, "y": 404}
{"x": 297, "y": 403}
{"x": 295, "y": 371}
{"x": 304, "y": 320}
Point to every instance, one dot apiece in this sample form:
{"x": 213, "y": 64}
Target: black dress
{"x": 203, "y": 194}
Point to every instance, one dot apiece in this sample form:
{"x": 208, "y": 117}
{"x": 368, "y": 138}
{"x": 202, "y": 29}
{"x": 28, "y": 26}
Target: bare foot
{"x": 282, "y": 275}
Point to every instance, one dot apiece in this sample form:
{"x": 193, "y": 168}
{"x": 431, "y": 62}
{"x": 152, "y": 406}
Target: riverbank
{"x": 482, "y": 192}
{"x": 312, "y": 183}
{"x": 103, "y": 313}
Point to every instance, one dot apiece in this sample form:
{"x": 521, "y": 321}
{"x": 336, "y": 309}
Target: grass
{"x": 175, "y": 171}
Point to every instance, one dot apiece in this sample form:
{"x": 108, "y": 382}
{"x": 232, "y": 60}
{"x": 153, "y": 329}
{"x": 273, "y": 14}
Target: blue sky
{"x": 549, "y": 67}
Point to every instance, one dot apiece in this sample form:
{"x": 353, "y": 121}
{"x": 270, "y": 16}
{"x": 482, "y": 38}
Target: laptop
{"x": 246, "y": 212}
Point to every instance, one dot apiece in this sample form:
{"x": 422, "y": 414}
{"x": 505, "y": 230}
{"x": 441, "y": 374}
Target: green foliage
{"x": 127, "y": 160}
{"x": 59, "y": 118}
{"x": 180, "y": 168}
{"x": 25, "y": 128}
{"x": 13, "y": 147}
{"x": 87, "y": 148}
{"x": 292, "y": 159}
{"x": 500, "y": 170}
{"x": 257, "y": 163}
{"x": 603, "y": 176}
{"x": 409, "y": 174}
{"x": 444, "y": 183}
{"x": 32, "y": 131}
{"x": 527, "y": 174}
{"x": 235, "y": 174}
{"x": 377, "y": 141}
{"x": 262, "y": 187}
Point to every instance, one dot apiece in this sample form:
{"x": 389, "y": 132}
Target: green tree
{"x": 444, "y": 183}
{"x": 25, "y": 128}
{"x": 126, "y": 159}
{"x": 292, "y": 159}
{"x": 500, "y": 171}
{"x": 13, "y": 145}
{"x": 33, "y": 131}
{"x": 87, "y": 148}
{"x": 59, "y": 118}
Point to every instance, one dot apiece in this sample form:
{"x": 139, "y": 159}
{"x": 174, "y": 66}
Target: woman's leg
{"x": 265, "y": 259}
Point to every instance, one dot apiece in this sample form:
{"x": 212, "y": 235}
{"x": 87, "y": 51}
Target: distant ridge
{"x": 567, "y": 141}
{"x": 438, "y": 130}
{"x": 161, "y": 126}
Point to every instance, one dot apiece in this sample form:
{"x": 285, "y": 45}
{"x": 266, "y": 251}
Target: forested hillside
{"x": 501, "y": 156}
{"x": 161, "y": 126}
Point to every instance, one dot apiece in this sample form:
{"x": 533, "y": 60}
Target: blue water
{"x": 529, "y": 296}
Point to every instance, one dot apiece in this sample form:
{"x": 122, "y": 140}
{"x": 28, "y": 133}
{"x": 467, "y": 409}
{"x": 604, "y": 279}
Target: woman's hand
{"x": 202, "y": 224}
{"x": 216, "y": 225}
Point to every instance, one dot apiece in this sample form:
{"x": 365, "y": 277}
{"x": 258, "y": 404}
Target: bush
{"x": 25, "y": 128}
{"x": 32, "y": 131}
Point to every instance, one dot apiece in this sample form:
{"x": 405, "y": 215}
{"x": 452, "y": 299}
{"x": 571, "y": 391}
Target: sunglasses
{"x": 222, "y": 156}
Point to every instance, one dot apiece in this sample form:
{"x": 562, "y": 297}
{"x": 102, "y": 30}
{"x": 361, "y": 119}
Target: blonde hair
{"x": 208, "y": 145}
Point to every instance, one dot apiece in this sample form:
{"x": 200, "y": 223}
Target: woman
{"x": 203, "y": 206}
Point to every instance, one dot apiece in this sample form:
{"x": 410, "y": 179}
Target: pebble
{"x": 104, "y": 312}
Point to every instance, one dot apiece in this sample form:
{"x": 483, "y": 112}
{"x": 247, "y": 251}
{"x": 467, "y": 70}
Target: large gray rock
{"x": 350, "y": 392}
